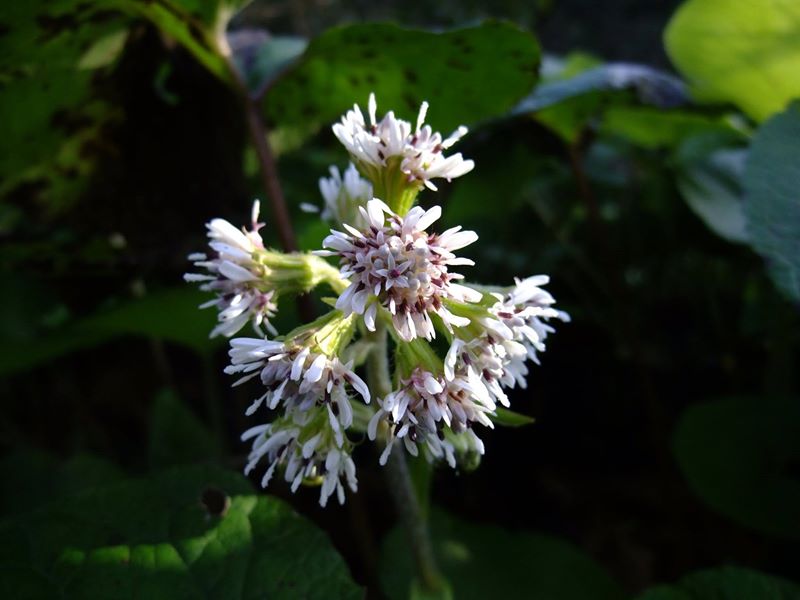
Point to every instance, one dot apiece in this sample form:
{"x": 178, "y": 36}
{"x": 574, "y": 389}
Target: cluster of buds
{"x": 393, "y": 275}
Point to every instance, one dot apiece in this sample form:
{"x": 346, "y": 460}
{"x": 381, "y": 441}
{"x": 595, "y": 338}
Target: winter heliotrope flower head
{"x": 395, "y": 264}
{"x": 397, "y": 157}
{"x": 396, "y": 274}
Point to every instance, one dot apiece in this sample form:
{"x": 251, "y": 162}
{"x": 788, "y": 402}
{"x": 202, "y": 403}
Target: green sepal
{"x": 509, "y": 418}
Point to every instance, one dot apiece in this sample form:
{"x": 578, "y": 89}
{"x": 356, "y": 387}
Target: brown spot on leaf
{"x": 215, "y": 501}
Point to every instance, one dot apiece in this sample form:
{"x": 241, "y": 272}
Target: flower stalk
{"x": 406, "y": 502}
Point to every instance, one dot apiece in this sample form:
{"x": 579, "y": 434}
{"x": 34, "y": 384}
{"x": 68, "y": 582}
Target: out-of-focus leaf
{"x": 712, "y": 189}
{"x": 652, "y": 128}
{"x": 772, "y": 199}
{"x": 50, "y": 53}
{"x": 467, "y": 75}
{"x": 104, "y": 51}
{"x": 488, "y": 562}
{"x": 33, "y": 477}
{"x": 509, "y": 418}
{"x": 650, "y": 85}
{"x": 198, "y": 25}
{"x": 737, "y": 456}
{"x": 578, "y": 92}
{"x": 747, "y": 53}
{"x": 53, "y": 58}
{"x": 170, "y": 315}
{"x": 177, "y": 436}
{"x": 184, "y": 533}
{"x": 261, "y": 57}
{"x": 728, "y": 583}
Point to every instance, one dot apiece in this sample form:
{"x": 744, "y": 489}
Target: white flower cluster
{"x": 393, "y": 274}
{"x": 312, "y": 390}
{"x": 236, "y": 277}
{"x": 419, "y": 151}
{"x": 424, "y": 405}
{"x": 393, "y": 263}
{"x": 511, "y": 334}
{"x": 342, "y": 197}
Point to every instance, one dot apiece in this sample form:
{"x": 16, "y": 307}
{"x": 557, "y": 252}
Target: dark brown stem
{"x": 576, "y": 150}
{"x": 270, "y": 179}
{"x": 269, "y": 175}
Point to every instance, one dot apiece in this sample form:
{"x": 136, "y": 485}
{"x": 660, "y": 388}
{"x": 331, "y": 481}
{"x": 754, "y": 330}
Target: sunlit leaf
{"x": 198, "y": 25}
{"x": 467, "y": 75}
{"x": 747, "y": 53}
{"x": 185, "y": 533}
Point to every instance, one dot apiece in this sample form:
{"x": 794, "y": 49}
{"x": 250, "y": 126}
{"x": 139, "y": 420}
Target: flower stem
{"x": 401, "y": 487}
{"x": 269, "y": 176}
{"x": 269, "y": 172}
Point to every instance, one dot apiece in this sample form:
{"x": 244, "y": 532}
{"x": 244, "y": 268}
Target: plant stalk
{"x": 269, "y": 174}
{"x": 401, "y": 487}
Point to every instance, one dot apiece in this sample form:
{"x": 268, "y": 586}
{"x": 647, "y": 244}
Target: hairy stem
{"x": 401, "y": 487}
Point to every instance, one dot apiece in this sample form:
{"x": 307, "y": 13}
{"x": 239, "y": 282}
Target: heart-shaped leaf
{"x": 185, "y": 533}
{"x": 747, "y": 53}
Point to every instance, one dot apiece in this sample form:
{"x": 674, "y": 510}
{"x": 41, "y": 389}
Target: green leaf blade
{"x": 467, "y": 75}
{"x": 488, "y": 562}
{"x": 746, "y": 53}
{"x": 153, "y": 538}
{"x": 772, "y": 198}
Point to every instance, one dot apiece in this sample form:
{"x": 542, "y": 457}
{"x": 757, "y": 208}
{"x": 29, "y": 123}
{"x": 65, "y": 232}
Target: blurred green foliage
{"x": 483, "y": 561}
{"x": 740, "y": 52}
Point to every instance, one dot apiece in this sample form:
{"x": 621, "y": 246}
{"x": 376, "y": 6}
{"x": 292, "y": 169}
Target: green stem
{"x": 401, "y": 487}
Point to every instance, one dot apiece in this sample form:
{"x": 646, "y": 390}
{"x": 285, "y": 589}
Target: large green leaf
{"x": 487, "y": 562}
{"x": 737, "y": 455}
{"x": 747, "y": 53}
{"x": 654, "y": 128}
{"x": 772, "y": 198}
{"x": 467, "y": 75}
{"x": 189, "y": 533}
{"x": 169, "y": 315}
{"x": 32, "y": 477}
{"x": 729, "y": 583}
{"x": 712, "y": 189}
